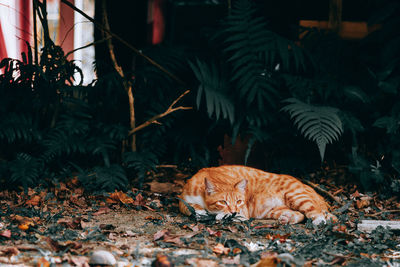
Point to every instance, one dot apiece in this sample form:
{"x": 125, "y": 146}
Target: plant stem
{"x": 127, "y": 84}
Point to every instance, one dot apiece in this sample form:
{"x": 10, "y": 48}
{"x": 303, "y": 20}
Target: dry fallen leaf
{"x": 165, "y": 188}
{"x": 363, "y": 202}
{"x": 102, "y": 210}
{"x": 119, "y": 196}
{"x": 232, "y": 260}
{"x": 160, "y": 234}
{"x": 10, "y": 251}
{"x": 201, "y": 262}
{"x": 34, "y": 201}
{"x": 268, "y": 259}
{"x": 42, "y": 262}
{"x": 162, "y": 261}
{"x": 220, "y": 249}
{"x": 214, "y": 233}
{"x": 73, "y": 223}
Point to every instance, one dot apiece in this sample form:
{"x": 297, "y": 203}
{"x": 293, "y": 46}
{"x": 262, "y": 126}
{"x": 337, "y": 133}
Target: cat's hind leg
{"x": 285, "y": 215}
{"x": 312, "y": 205}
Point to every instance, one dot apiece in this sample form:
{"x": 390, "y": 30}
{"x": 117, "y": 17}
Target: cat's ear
{"x": 241, "y": 186}
{"x": 210, "y": 187}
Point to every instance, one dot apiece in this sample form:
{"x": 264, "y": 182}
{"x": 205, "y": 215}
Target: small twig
{"x": 86, "y": 46}
{"x": 323, "y": 191}
{"x": 169, "y": 110}
{"x": 167, "y": 166}
{"x": 381, "y": 212}
{"x": 338, "y": 255}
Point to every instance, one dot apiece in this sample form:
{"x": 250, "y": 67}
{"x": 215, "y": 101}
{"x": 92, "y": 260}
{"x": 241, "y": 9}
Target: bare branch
{"x": 85, "y": 46}
{"x": 169, "y": 110}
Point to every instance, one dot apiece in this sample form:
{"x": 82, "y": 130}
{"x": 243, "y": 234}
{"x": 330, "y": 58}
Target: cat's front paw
{"x": 220, "y": 216}
{"x": 323, "y": 218}
{"x": 200, "y": 213}
{"x": 318, "y": 220}
{"x": 239, "y": 218}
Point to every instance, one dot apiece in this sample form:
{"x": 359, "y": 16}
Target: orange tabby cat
{"x": 250, "y": 193}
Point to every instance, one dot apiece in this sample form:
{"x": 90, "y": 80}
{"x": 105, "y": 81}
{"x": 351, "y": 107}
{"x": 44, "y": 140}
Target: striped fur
{"x": 252, "y": 193}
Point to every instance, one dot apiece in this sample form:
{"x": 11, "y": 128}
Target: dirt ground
{"x": 65, "y": 226}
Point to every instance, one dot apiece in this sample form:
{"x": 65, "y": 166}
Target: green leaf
{"x": 320, "y": 124}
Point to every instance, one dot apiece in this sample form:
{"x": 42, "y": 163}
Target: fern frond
{"x": 111, "y": 178}
{"x": 141, "y": 163}
{"x": 25, "y": 170}
{"x": 214, "y": 87}
{"x": 18, "y": 127}
{"x": 320, "y": 124}
{"x": 255, "y": 52}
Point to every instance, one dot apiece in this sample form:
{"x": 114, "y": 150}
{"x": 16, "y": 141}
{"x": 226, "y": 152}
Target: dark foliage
{"x": 284, "y": 96}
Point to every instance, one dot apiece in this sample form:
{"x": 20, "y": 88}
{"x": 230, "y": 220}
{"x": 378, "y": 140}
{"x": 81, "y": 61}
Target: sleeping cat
{"x": 246, "y": 192}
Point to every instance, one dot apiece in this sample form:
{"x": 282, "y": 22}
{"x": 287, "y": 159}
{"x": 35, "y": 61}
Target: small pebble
{"x": 102, "y": 257}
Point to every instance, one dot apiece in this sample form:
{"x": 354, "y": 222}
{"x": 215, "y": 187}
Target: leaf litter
{"x": 66, "y": 225}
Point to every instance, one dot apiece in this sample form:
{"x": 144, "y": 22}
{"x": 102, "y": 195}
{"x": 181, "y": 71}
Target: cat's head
{"x": 229, "y": 200}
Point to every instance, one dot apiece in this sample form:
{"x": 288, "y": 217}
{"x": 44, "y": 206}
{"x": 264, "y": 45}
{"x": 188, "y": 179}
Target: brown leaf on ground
{"x": 165, "y": 188}
{"x": 153, "y": 218}
{"x": 221, "y": 249}
{"x": 24, "y": 223}
{"x": 264, "y": 226}
{"x": 363, "y": 202}
{"x": 194, "y": 227}
{"x": 232, "y": 229}
{"x": 139, "y": 201}
{"x": 33, "y": 201}
{"x": 42, "y": 262}
{"x": 78, "y": 200}
{"x": 79, "y": 261}
{"x": 177, "y": 239}
{"x": 102, "y": 210}
{"x": 214, "y": 233}
{"x": 201, "y": 262}
{"x": 61, "y": 246}
{"x": 162, "y": 261}
{"x": 355, "y": 194}
{"x": 268, "y": 259}
{"x": 73, "y": 223}
{"x": 119, "y": 196}
{"x": 10, "y": 251}
{"x": 73, "y": 182}
{"x": 160, "y": 234}
{"x": 232, "y": 260}
{"x": 171, "y": 238}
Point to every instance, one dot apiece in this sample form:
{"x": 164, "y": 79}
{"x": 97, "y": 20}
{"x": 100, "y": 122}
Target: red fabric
{"x": 158, "y": 22}
{"x": 65, "y": 36}
{"x": 3, "y": 49}
{"x": 25, "y": 30}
